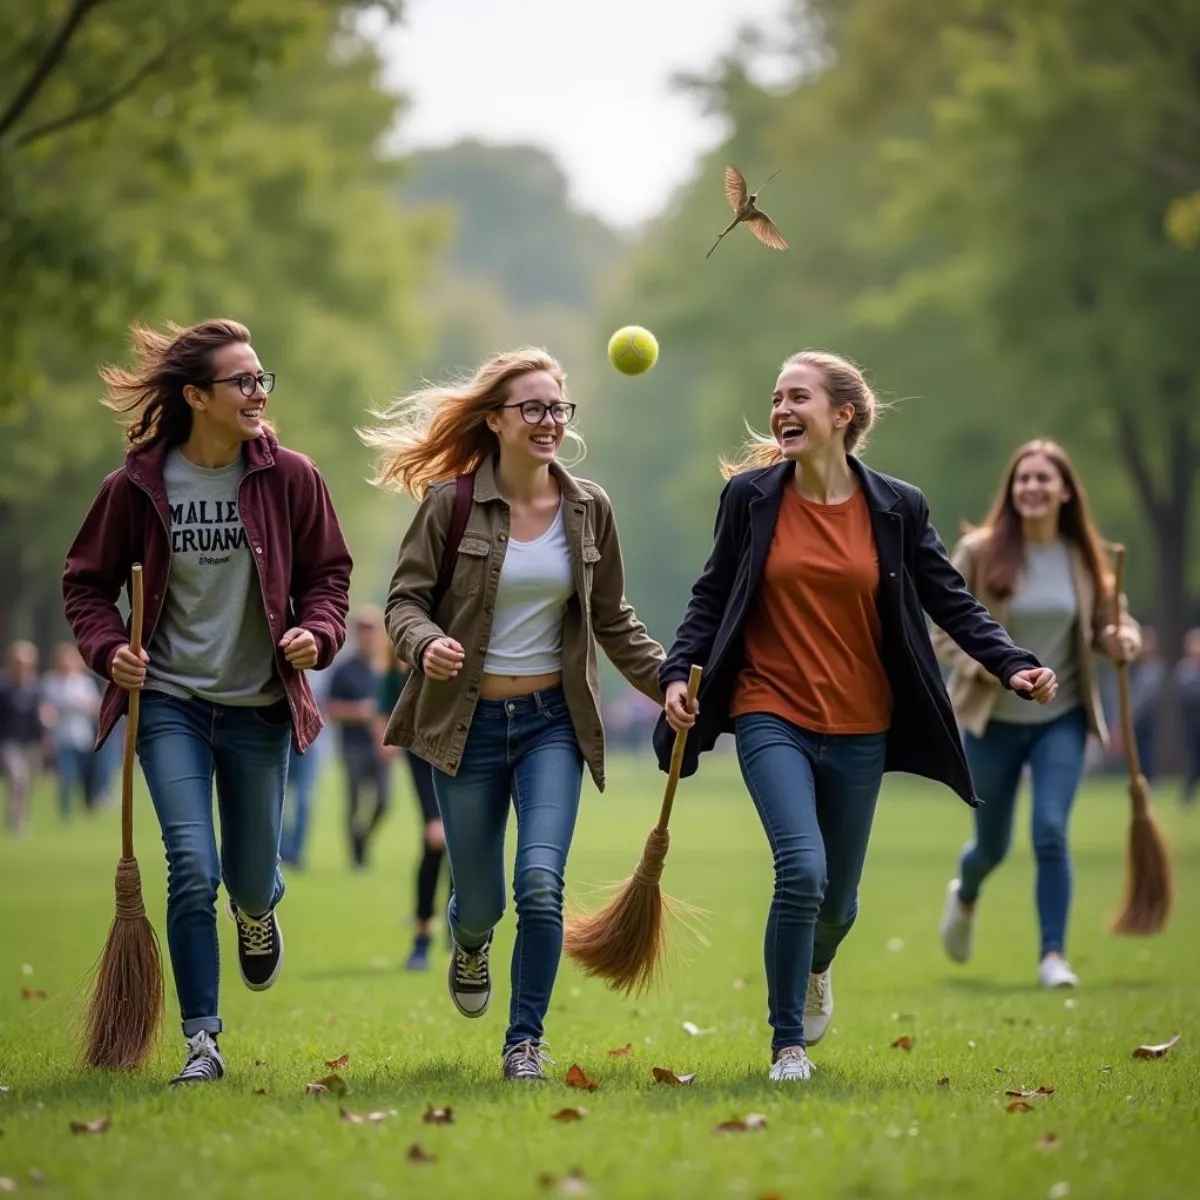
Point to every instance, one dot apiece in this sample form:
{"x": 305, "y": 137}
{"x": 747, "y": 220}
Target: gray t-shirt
{"x": 212, "y": 639}
{"x": 1042, "y": 618}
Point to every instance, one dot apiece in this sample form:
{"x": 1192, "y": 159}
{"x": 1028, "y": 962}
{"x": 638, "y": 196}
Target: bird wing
{"x": 764, "y": 229}
{"x": 735, "y": 188}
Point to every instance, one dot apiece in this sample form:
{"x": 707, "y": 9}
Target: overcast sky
{"x": 586, "y": 79}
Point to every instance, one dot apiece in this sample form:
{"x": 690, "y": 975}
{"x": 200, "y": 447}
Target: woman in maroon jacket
{"x": 247, "y": 581}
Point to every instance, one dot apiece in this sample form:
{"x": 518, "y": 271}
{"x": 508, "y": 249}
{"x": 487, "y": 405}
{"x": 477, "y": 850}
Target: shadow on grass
{"x": 1000, "y": 987}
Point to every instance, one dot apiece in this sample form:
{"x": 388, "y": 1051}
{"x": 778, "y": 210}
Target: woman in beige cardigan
{"x": 1038, "y": 565}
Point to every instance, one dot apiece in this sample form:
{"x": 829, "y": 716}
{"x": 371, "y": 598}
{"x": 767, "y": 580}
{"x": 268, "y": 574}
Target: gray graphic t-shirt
{"x": 212, "y": 639}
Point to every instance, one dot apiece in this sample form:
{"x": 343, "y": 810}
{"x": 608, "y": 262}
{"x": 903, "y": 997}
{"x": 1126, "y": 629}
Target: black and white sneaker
{"x": 260, "y": 948}
{"x": 470, "y": 980}
{"x": 204, "y": 1063}
{"x": 523, "y": 1060}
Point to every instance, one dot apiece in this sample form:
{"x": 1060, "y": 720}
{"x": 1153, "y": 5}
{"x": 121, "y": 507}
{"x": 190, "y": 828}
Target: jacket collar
{"x": 881, "y": 495}
{"x": 146, "y": 466}
{"x": 486, "y": 489}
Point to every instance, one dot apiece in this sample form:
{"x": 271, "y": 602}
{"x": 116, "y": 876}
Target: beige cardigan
{"x": 973, "y": 691}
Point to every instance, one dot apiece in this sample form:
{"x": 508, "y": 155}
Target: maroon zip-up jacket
{"x": 302, "y": 561}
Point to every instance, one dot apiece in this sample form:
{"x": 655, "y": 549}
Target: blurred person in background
{"x": 24, "y": 718}
{"x": 304, "y": 771}
{"x": 809, "y": 621}
{"x": 246, "y": 579}
{"x": 70, "y": 692}
{"x": 353, "y": 706}
{"x": 1187, "y": 687}
{"x": 433, "y": 834}
{"x": 504, "y": 696}
{"x": 1039, "y": 566}
{"x": 1147, "y": 681}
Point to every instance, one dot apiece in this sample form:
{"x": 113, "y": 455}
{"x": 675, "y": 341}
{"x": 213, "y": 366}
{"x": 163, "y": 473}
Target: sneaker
{"x": 958, "y": 926}
{"x": 418, "y": 959}
{"x": 791, "y": 1063}
{"x": 818, "y": 1006}
{"x": 1055, "y": 972}
{"x": 470, "y": 980}
{"x": 524, "y": 1060}
{"x": 260, "y": 948}
{"x": 204, "y": 1063}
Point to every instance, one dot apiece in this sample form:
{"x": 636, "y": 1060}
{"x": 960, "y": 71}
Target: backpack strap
{"x": 464, "y": 495}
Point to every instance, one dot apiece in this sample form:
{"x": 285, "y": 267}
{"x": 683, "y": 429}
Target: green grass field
{"x": 874, "y": 1121}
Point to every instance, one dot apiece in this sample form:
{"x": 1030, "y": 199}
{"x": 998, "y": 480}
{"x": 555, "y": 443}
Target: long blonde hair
{"x": 845, "y": 384}
{"x": 440, "y": 431}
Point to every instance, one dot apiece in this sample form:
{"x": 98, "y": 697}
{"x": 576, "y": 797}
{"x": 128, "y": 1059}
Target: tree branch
{"x": 96, "y": 108}
{"x": 1131, "y": 449}
{"x": 45, "y": 66}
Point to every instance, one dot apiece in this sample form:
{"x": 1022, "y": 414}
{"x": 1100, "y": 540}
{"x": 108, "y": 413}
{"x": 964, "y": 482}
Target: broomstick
{"x": 1148, "y": 890}
{"x": 623, "y": 942}
{"x": 126, "y": 1005}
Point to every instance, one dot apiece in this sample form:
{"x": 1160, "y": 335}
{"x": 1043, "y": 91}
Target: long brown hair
{"x": 844, "y": 383}
{"x": 441, "y": 432}
{"x": 1004, "y": 552}
{"x": 150, "y": 396}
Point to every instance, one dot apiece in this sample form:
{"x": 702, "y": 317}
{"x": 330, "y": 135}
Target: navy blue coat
{"x": 915, "y": 577}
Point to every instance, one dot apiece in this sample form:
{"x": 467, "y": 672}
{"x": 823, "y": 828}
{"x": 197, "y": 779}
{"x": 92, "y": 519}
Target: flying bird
{"x": 746, "y": 212}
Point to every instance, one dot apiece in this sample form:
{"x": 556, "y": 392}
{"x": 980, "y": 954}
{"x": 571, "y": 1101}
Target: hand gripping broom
{"x": 622, "y": 943}
{"x": 126, "y": 1005}
{"x": 1148, "y": 890}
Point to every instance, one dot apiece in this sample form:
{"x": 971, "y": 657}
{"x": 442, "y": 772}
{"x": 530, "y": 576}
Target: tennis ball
{"x": 633, "y": 350}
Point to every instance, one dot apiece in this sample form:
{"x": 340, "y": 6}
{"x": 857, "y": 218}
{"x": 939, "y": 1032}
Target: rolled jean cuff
{"x": 210, "y": 1025}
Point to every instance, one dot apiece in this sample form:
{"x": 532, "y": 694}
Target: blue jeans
{"x": 303, "y": 770}
{"x": 524, "y": 748}
{"x": 815, "y": 795}
{"x": 183, "y": 745}
{"x": 72, "y": 764}
{"x": 1055, "y": 754}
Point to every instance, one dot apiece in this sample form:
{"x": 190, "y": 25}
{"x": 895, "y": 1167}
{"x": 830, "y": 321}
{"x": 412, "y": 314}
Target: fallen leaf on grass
{"x": 1047, "y": 1089}
{"x": 1156, "y": 1051}
{"x": 742, "y": 1124}
{"x": 944, "y": 1082}
{"x": 438, "y": 1116}
{"x": 4, "y": 1088}
{"x": 1059, "y": 1190}
{"x": 1106, "y": 1070}
{"x": 331, "y": 1083}
{"x": 336, "y": 1064}
{"x": 662, "y": 1075}
{"x": 260, "y": 1062}
{"x": 692, "y": 1028}
{"x": 621, "y": 1051}
{"x": 1047, "y": 1142}
{"x": 417, "y": 1155}
{"x": 739, "y": 985}
{"x": 904, "y": 1042}
{"x": 316, "y": 1089}
{"x": 331, "y": 1020}
{"x": 259, "y": 1092}
{"x": 569, "y": 1114}
{"x": 7, "y": 1185}
{"x": 353, "y": 1118}
{"x": 36, "y": 1176}
{"x": 28, "y": 993}
{"x": 1019, "y": 1106}
{"x": 98, "y": 1125}
{"x": 574, "y": 1184}
{"x": 577, "y": 1079}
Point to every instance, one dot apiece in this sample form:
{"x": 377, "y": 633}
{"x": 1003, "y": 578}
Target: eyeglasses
{"x": 248, "y": 383}
{"x": 533, "y": 412}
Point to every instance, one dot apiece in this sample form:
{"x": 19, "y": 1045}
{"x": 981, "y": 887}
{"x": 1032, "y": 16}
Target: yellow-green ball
{"x": 633, "y": 350}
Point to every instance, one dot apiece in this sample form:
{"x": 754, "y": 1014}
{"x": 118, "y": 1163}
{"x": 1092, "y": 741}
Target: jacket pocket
{"x": 471, "y": 566}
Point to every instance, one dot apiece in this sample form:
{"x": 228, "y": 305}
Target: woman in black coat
{"x": 809, "y": 622}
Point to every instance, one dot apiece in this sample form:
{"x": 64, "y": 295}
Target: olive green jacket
{"x": 433, "y": 717}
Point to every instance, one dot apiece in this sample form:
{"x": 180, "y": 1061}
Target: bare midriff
{"x": 505, "y": 687}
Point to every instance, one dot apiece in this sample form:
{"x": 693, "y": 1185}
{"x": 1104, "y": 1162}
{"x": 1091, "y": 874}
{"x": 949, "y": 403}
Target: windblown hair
{"x": 844, "y": 383}
{"x": 441, "y": 432}
{"x": 150, "y": 395}
{"x": 1004, "y": 552}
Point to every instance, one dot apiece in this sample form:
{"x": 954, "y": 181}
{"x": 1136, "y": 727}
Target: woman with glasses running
{"x": 247, "y": 580}
{"x": 504, "y": 696}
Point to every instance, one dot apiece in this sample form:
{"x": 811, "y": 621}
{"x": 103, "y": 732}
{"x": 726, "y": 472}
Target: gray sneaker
{"x": 204, "y": 1063}
{"x": 818, "y": 1006}
{"x": 470, "y": 980}
{"x": 791, "y": 1063}
{"x": 523, "y": 1060}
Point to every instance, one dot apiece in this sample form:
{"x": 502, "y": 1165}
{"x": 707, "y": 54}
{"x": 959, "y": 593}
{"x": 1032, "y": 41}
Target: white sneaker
{"x": 958, "y": 926}
{"x": 818, "y": 1006}
{"x": 1055, "y": 972}
{"x": 791, "y": 1063}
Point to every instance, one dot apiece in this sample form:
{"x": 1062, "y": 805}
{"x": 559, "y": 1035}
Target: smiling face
{"x": 1038, "y": 488}
{"x": 803, "y": 420}
{"x": 522, "y": 443}
{"x": 222, "y": 409}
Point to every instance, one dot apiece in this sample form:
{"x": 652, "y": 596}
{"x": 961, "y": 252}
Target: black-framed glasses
{"x": 247, "y": 383}
{"x": 533, "y": 412}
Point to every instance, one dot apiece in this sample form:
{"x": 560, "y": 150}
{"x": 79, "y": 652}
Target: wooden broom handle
{"x": 131, "y": 722}
{"x": 681, "y": 735}
{"x": 1126, "y": 703}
